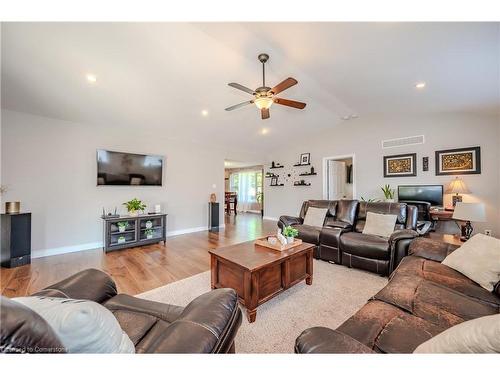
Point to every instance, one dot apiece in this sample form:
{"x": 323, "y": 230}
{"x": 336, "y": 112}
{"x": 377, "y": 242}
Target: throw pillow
{"x": 379, "y": 224}
{"x": 315, "y": 216}
{"x": 82, "y": 326}
{"x": 478, "y": 259}
{"x": 481, "y": 335}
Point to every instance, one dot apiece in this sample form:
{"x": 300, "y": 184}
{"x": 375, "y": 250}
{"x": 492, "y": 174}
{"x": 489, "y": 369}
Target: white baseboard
{"x": 96, "y": 245}
{"x": 270, "y": 218}
{"x": 65, "y": 249}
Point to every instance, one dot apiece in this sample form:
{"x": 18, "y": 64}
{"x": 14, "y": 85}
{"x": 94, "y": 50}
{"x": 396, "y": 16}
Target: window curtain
{"x": 246, "y": 185}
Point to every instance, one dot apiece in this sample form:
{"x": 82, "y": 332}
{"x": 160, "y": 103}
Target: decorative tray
{"x": 278, "y": 246}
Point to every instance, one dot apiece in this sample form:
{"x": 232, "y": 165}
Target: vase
{"x": 149, "y": 224}
{"x": 389, "y": 200}
{"x": 149, "y": 236}
{"x": 133, "y": 213}
{"x": 289, "y": 240}
{"x": 121, "y": 229}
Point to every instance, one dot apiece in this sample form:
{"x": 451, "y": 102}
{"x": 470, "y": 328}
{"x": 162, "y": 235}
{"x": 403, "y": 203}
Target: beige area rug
{"x": 337, "y": 292}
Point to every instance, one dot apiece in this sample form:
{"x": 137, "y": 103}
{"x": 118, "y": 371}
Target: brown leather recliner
{"x": 206, "y": 325}
{"x": 374, "y": 253}
{"x": 423, "y": 298}
{"x": 339, "y": 218}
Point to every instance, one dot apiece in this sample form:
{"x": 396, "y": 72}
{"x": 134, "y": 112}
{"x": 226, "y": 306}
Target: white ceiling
{"x": 160, "y": 76}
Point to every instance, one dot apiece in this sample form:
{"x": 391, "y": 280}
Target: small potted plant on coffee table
{"x": 290, "y": 233}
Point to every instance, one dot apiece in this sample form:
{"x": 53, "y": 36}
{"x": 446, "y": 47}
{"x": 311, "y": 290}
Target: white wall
{"x": 363, "y": 137}
{"x": 50, "y": 166}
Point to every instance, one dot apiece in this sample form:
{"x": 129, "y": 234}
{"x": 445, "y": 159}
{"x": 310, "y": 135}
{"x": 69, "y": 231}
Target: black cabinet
{"x": 213, "y": 215}
{"x": 15, "y": 241}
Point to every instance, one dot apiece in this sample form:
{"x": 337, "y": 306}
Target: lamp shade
{"x": 457, "y": 186}
{"x": 470, "y": 212}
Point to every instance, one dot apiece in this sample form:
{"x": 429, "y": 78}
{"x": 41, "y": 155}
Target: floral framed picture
{"x": 456, "y": 161}
{"x": 404, "y": 165}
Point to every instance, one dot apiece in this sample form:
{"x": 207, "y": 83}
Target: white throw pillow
{"x": 315, "y": 216}
{"x": 478, "y": 259}
{"x": 481, "y": 335}
{"x": 379, "y": 224}
{"x": 82, "y": 326}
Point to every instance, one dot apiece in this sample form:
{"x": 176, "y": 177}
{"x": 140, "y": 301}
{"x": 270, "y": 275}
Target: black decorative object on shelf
{"x": 425, "y": 163}
{"x": 301, "y": 183}
{"x": 277, "y": 166}
{"x": 308, "y": 174}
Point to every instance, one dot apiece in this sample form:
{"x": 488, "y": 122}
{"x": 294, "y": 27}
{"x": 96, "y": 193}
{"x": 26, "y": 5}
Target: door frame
{"x": 325, "y": 173}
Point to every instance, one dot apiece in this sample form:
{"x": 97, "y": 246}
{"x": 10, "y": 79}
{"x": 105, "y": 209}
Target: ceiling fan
{"x": 265, "y": 96}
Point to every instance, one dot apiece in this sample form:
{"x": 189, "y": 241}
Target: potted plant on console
{"x": 290, "y": 233}
{"x": 122, "y": 226}
{"x": 149, "y": 233}
{"x": 134, "y": 206}
{"x": 388, "y": 193}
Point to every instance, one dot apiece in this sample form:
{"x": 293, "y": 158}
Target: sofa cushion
{"x": 481, "y": 335}
{"x": 432, "y": 302}
{"x": 379, "y": 224}
{"x": 315, "y": 217}
{"x": 446, "y": 277}
{"x": 478, "y": 259}
{"x": 388, "y": 329}
{"x": 365, "y": 245}
{"x": 82, "y": 326}
{"x": 308, "y": 234}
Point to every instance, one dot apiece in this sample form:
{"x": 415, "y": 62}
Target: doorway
{"x": 339, "y": 177}
{"x": 243, "y": 187}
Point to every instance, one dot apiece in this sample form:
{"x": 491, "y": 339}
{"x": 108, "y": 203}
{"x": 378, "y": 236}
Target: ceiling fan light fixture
{"x": 263, "y": 102}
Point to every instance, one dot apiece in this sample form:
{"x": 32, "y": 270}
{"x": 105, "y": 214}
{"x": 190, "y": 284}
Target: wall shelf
{"x": 277, "y": 167}
{"x": 308, "y": 174}
{"x": 278, "y": 185}
{"x": 302, "y": 184}
{"x": 301, "y": 165}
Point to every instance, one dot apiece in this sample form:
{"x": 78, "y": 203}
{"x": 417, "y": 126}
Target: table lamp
{"x": 469, "y": 212}
{"x": 457, "y": 186}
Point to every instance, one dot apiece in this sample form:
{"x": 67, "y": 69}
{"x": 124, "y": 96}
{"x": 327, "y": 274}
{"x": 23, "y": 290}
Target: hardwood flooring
{"x": 137, "y": 269}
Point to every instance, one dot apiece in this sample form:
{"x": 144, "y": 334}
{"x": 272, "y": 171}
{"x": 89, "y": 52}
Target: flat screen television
{"x": 120, "y": 168}
{"x": 424, "y": 193}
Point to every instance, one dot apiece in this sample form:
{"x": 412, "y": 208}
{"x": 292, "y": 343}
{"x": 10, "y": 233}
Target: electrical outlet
{"x": 487, "y": 232}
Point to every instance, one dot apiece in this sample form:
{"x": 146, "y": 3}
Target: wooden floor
{"x": 138, "y": 269}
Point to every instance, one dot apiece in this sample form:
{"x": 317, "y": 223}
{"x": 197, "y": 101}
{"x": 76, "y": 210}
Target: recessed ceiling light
{"x": 420, "y": 85}
{"x": 354, "y": 116}
{"x": 264, "y": 131}
{"x": 91, "y": 78}
{"x": 346, "y": 117}
{"x": 204, "y": 113}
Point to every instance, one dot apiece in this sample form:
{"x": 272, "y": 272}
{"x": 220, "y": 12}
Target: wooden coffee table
{"x": 258, "y": 273}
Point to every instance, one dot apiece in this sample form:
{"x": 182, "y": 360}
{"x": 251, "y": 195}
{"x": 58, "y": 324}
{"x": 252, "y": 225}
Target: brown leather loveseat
{"x": 206, "y": 325}
{"x": 423, "y": 298}
{"x": 341, "y": 240}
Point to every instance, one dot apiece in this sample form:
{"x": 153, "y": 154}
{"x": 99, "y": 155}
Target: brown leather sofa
{"x": 423, "y": 298}
{"x": 341, "y": 240}
{"x": 206, "y": 325}
{"x": 374, "y": 253}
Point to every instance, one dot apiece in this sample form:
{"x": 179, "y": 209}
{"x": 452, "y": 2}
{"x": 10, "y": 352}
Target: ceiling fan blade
{"x": 239, "y": 105}
{"x": 290, "y": 103}
{"x": 286, "y": 84}
{"x": 241, "y": 87}
{"x": 265, "y": 113}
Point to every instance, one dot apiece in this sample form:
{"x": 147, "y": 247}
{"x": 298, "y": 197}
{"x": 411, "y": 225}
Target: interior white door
{"x": 336, "y": 179}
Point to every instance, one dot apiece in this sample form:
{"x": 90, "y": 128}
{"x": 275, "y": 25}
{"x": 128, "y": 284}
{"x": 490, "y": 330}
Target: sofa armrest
{"x": 399, "y": 242}
{"x": 430, "y": 249}
{"x": 90, "y": 284}
{"x": 285, "y": 221}
{"x": 208, "y": 324}
{"x": 326, "y": 340}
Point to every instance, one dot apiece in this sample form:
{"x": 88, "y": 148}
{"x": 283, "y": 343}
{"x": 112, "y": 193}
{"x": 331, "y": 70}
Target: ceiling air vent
{"x": 406, "y": 141}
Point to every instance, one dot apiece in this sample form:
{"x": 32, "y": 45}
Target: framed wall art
{"x": 305, "y": 159}
{"x": 457, "y": 161}
{"x": 404, "y": 165}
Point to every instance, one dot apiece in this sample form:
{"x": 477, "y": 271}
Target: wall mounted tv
{"x": 120, "y": 168}
{"x": 424, "y": 193}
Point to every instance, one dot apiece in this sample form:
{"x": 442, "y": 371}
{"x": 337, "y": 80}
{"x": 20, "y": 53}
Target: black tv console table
{"x": 131, "y": 231}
